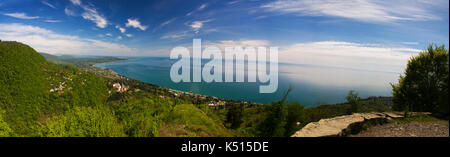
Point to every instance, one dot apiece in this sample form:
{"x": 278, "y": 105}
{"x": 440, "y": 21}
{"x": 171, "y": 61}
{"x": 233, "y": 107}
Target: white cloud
{"x": 90, "y": 13}
{"x": 48, "y": 4}
{"x": 44, "y": 40}
{"x": 203, "y": 6}
{"x": 69, "y": 12}
{"x": 119, "y": 37}
{"x": 122, "y": 30}
{"x": 109, "y": 34}
{"x": 347, "y": 55}
{"x": 129, "y": 35}
{"x": 334, "y": 54}
{"x": 197, "y": 25}
{"x": 135, "y": 24}
{"x": 409, "y": 43}
{"x": 21, "y": 16}
{"x": 361, "y": 10}
{"x": 76, "y": 2}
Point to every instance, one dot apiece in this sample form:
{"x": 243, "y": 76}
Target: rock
{"x": 337, "y": 125}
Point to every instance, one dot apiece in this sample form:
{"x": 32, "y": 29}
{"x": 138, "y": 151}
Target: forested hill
{"x": 40, "y": 98}
{"x": 34, "y": 92}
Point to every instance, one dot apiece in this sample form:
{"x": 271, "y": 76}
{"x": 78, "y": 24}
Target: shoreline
{"x": 175, "y": 92}
{"x": 197, "y": 95}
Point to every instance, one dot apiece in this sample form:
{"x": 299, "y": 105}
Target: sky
{"x": 364, "y": 34}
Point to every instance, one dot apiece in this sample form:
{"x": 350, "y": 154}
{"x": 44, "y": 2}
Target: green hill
{"x": 34, "y": 90}
{"x": 40, "y": 98}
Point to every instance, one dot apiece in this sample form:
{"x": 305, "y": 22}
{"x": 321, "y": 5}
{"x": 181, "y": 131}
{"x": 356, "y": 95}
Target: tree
{"x": 424, "y": 85}
{"x": 354, "y": 100}
{"x": 295, "y": 113}
{"x": 275, "y": 121}
{"x": 234, "y": 115}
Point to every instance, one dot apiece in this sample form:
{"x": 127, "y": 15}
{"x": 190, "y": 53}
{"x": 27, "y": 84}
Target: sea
{"x": 311, "y": 85}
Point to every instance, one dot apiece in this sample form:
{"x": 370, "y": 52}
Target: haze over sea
{"x": 312, "y": 85}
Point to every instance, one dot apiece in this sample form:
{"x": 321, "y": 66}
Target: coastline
{"x": 111, "y": 74}
{"x": 176, "y": 93}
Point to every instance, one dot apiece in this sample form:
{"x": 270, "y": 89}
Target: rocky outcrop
{"x": 337, "y": 126}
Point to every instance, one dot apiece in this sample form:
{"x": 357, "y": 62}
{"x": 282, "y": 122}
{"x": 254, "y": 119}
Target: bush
{"x": 82, "y": 122}
{"x": 5, "y": 130}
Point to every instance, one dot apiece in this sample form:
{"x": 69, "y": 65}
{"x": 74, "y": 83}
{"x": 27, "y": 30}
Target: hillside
{"x": 40, "y": 98}
{"x": 34, "y": 90}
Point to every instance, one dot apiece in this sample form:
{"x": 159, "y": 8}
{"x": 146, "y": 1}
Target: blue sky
{"x": 375, "y": 33}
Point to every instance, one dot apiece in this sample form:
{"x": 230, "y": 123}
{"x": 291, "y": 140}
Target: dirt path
{"x": 438, "y": 128}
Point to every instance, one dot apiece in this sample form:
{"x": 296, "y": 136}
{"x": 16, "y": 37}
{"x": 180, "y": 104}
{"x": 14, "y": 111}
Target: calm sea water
{"x": 312, "y": 85}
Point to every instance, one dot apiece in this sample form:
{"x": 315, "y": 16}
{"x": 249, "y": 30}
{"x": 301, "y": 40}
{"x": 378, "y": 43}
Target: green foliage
{"x": 5, "y": 130}
{"x": 33, "y": 89}
{"x": 295, "y": 113}
{"x": 424, "y": 85}
{"x": 275, "y": 121}
{"x": 354, "y": 101}
{"x": 195, "y": 122}
{"x": 22, "y": 84}
{"x": 141, "y": 113}
{"x": 82, "y": 122}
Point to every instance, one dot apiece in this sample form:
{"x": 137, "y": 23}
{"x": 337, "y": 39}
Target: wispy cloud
{"x": 361, "y": 10}
{"x": 48, "y": 4}
{"x": 175, "y": 36}
{"x": 44, "y": 40}
{"x": 135, "y": 24}
{"x": 238, "y": 43}
{"x": 197, "y": 25}
{"x": 200, "y": 8}
{"x": 90, "y": 13}
{"x": 167, "y": 22}
{"x": 233, "y": 2}
{"x": 52, "y": 21}
{"x": 21, "y": 16}
{"x": 76, "y": 2}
